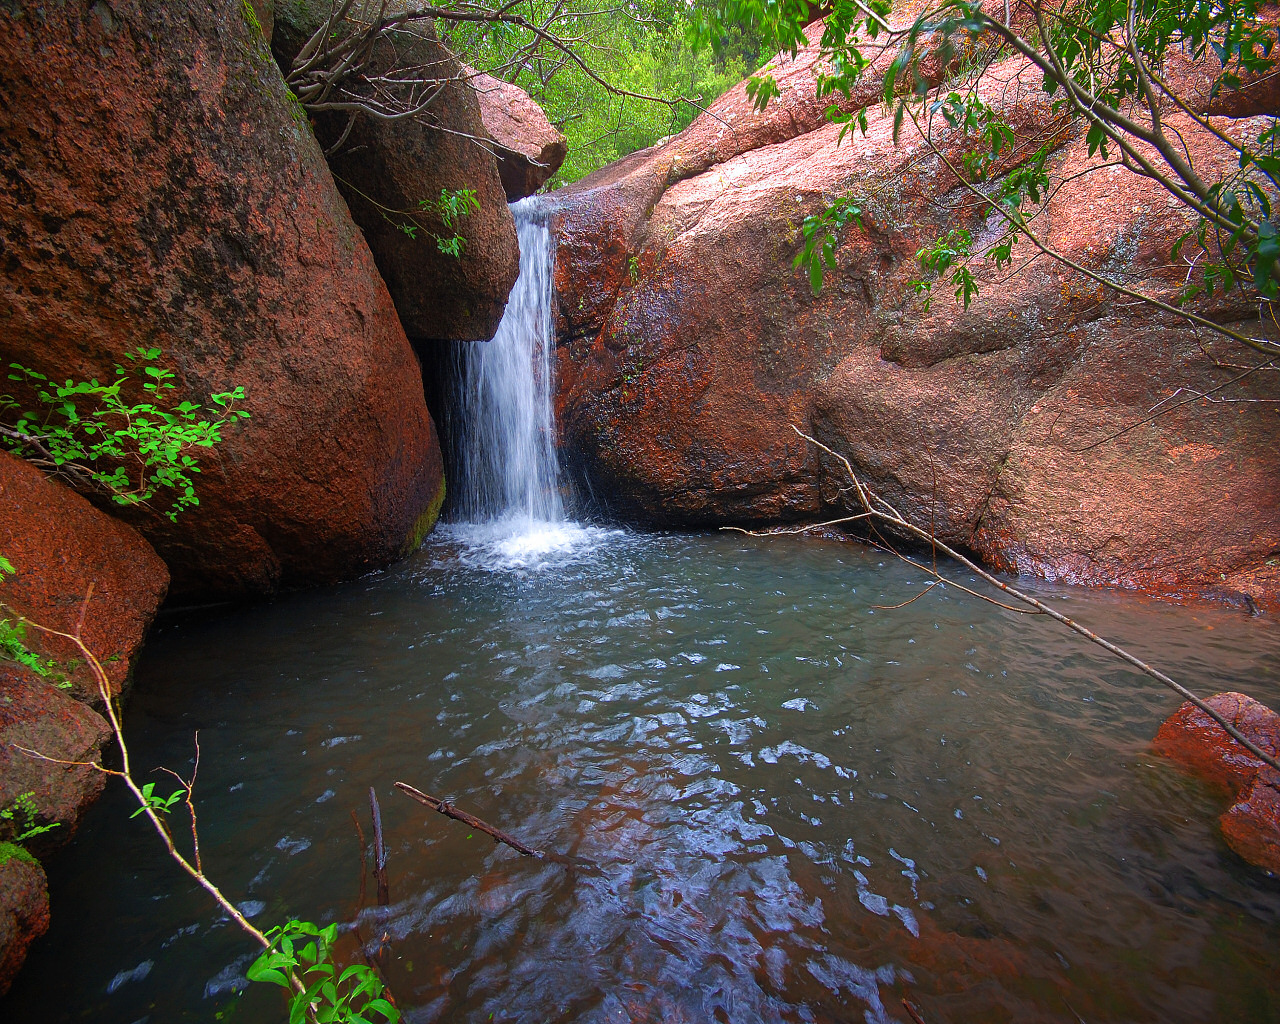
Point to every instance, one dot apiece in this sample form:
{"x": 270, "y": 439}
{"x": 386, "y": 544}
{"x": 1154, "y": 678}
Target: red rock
{"x": 60, "y": 545}
{"x": 1251, "y": 826}
{"x": 156, "y": 188}
{"x": 24, "y": 912}
{"x": 1196, "y": 741}
{"x": 44, "y": 720}
{"x": 386, "y": 168}
{"x": 529, "y": 148}
{"x": 689, "y": 345}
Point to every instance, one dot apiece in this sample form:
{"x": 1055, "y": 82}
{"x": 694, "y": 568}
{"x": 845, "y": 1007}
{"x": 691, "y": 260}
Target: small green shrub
{"x": 304, "y": 951}
{"x": 21, "y": 816}
{"x": 451, "y": 207}
{"x": 13, "y": 645}
{"x": 111, "y": 438}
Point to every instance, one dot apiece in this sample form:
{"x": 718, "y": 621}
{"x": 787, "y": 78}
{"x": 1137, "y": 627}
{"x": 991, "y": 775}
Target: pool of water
{"x": 801, "y": 806}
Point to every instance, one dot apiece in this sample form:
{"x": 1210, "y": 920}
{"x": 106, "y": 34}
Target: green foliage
{"x": 13, "y": 643}
{"x": 251, "y": 16}
{"x": 12, "y": 851}
{"x": 13, "y": 647}
{"x": 158, "y": 803}
{"x": 821, "y": 234}
{"x": 947, "y": 253}
{"x": 21, "y": 818}
{"x": 112, "y": 438}
{"x": 302, "y": 950}
{"x": 450, "y": 208}
{"x": 650, "y": 48}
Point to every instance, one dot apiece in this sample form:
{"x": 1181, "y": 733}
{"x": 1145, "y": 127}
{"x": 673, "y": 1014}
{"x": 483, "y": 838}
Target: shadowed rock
{"x": 157, "y": 188}
{"x": 24, "y": 911}
{"x": 386, "y": 169}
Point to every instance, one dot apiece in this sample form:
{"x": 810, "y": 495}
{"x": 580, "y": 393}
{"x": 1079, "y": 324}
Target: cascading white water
{"x": 508, "y": 465}
{"x": 508, "y": 488}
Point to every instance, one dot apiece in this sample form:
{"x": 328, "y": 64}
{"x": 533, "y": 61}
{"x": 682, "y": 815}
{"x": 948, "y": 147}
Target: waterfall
{"x": 508, "y": 469}
{"x": 508, "y": 506}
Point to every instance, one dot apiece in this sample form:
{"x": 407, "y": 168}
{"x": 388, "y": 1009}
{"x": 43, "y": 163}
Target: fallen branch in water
{"x": 379, "y": 851}
{"x": 879, "y": 510}
{"x": 498, "y": 836}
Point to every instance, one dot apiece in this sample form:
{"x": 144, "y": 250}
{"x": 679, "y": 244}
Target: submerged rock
{"x": 158, "y": 188}
{"x": 1251, "y": 826}
{"x": 689, "y": 346}
{"x": 386, "y": 170}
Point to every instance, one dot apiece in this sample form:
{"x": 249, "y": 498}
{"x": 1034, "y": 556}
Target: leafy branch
{"x": 1101, "y": 63}
{"x": 298, "y": 956}
{"x": 106, "y": 437}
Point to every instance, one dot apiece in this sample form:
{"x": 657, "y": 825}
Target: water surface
{"x": 802, "y": 807}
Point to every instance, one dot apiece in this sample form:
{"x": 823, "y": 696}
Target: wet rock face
{"x": 157, "y": 188}
{"x": 1251, "y": 825}
{"x": 529, "y": 148}
{"x": 689, "y": 346}
{"x": 386, "y": 169}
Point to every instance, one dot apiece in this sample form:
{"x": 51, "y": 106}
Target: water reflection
{"x": 803, "y": 809}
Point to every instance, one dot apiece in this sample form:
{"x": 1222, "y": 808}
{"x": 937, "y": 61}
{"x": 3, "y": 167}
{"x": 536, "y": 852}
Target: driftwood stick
{"x": 498, "y": 836}
{"x": 912, "y": 1011}
{"x": 379, "y": 851}
{"x": 449, "y": 811}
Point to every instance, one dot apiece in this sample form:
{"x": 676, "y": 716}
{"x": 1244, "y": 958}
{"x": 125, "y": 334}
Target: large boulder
{"x": 76, "y": 569}
{"x": 529, "y": 148}
{"x": 47, "y": 741}
{"x": 1251, "y": 825}
{"x": 158, "y": 188}
{"x": 387, "y": 169}
{"x": 689, "y": 346}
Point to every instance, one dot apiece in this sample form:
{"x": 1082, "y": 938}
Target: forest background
{"x": 646, "y": 48}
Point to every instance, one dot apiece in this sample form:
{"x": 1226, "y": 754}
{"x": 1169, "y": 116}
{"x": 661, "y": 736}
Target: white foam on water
{"x": 524, "y": 542}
